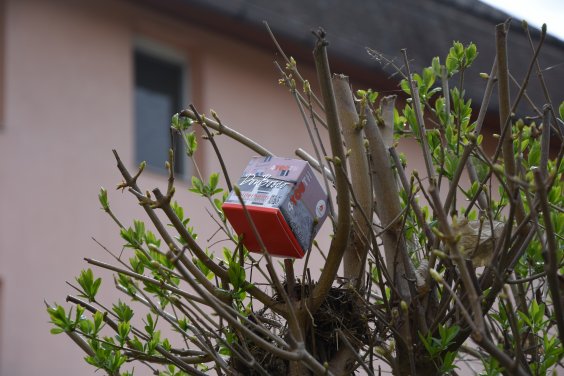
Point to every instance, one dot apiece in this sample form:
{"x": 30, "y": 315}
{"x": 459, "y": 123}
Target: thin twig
{"x": 218, "y": 126}
{"x": 420, "y": 120}
{"x": 214, "y": 145}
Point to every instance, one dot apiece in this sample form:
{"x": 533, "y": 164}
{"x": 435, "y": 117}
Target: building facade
{"x": 77, "y": 79}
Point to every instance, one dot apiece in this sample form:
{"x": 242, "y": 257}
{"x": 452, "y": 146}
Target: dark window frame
{"x": 160, "y": 74}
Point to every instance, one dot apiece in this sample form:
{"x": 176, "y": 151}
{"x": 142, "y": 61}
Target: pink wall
{"x": 68, "y": 103}
{"x": 68, "y": 100}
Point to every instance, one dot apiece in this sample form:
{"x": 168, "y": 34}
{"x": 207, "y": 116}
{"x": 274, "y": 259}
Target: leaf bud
{"x": 498, "y": 168}
{"x": 307, "y": 87}
{"x": 337, "y": 161}
{"x": 237, "y": 190}
{"x": 435, "y": 275}
{"x": 440, "y": 254}
{"x": 380, "y": 350}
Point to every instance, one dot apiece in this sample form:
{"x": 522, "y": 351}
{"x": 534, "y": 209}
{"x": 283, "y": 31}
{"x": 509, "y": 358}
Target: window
{"x": 159, "y": 89}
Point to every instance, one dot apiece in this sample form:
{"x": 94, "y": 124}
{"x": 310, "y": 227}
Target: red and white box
{"x": 286, "y": 203}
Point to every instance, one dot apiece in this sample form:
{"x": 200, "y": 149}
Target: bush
{"x": 436, "y": 272}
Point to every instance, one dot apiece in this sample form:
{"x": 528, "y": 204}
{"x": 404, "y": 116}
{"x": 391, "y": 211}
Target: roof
{"x": 426, "y": 28}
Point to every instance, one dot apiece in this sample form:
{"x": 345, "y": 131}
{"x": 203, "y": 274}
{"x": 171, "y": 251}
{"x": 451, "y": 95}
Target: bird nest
{"x": 342, "y": 314}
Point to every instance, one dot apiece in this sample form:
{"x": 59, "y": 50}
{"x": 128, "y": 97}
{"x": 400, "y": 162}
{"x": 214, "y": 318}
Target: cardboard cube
{"x": 285, "y": 201}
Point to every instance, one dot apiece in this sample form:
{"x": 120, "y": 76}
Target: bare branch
{"x": 388, "y": 205}
{"x": 222, "y": 129}
{"x": 341, "y": 238}
{"x": 355, "y": 255}
{"x": 549, "y": 255}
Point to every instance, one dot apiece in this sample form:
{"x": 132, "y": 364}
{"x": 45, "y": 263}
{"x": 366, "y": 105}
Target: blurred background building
{"x": 79, "y": 78}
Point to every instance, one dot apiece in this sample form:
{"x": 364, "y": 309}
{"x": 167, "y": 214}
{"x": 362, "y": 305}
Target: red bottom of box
{"x": 275, "y": 233}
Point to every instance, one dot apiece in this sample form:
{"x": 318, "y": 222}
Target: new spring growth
{"x": 307, "y": 87}
{"x": 216, "y": 117}
{"x": 337, "y": 161}
{"x": 292, "y": 84}
{"x": 291, "y": 65}
{"x": 435, "y": 275}
{"x": 437, "y": 232}
{"x": 361, "y": 124}
{"x": 498, "y": 168}
{"x": 381, "y": 351}
{"x": 520, "y": 124}
{"x": 204, "y": 119}
{"x": 237, "y": 191}
{"x": 103, "y": 198}
{"x": 440, "y": 254}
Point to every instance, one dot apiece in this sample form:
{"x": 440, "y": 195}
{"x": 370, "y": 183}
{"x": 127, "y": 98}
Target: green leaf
{"x": 428, "y": 79}
{"x": 178, "y": 210}
{"x": 136, "y": 344}
{"x": 191, "y": 143}
{"x": 409, "y": 114}
{"x": 123, "y": 332}
{"x": 103, "y": 198}
{"x": 471, "y": 52}
{"x": 458, "y": 49}
{"x": 122, "y": 311}
{"x": 451, "y": 65}
{"x": 150, "y": 325}
{"x": 98, "y": 321}
{"x": 534, "y": 155}
{"x": 212, "y": 189}
{"x": 89, "y": 285}
{"x": 473, "y": 190}
{"x": 436, "y": 65}
{"x": 236, "y": 275}
{"x": 405, "y": 86}
{"x": 174, "y": 122}
{"x": 86, "y": 326}
{"x": 185, "y": 122}
{"x": 197, "y": 186}
{"x": 561, "y": 110}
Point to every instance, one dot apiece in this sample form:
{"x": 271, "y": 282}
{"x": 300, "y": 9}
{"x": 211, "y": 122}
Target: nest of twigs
{"x": 341, "y": 314}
